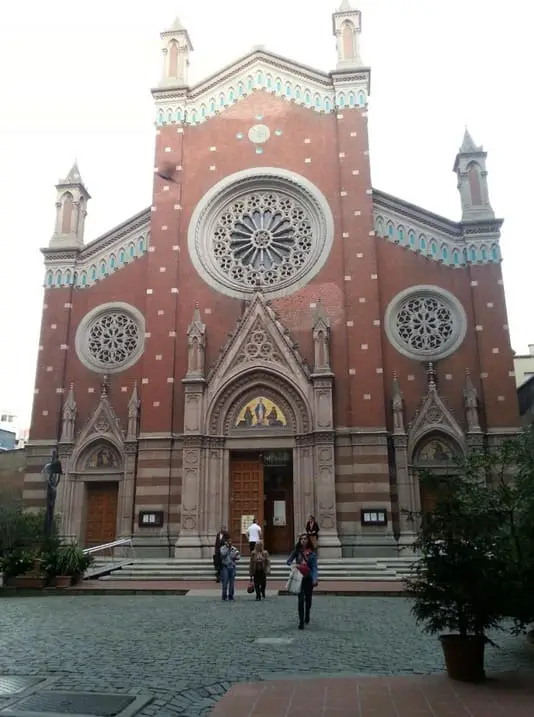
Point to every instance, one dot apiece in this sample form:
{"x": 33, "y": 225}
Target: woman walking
{"x": 260, "y": 567}
{"x": 312, "y": 529}
{"x": 306, "y": 560}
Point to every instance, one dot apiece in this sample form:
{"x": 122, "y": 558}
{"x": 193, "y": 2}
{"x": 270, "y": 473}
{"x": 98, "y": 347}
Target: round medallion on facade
{"x": 263, "y": 230}
{"x": 110, "y": 338}
{"x": 425, "y": 322}
{"x": 259, "y": 133}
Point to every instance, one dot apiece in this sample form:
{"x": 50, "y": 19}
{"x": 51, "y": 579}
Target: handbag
{"x": 250, "y": 588}
{"x": 294, "y": 584}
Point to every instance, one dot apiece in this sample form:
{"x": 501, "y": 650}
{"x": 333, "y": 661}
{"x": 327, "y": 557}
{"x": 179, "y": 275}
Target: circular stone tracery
{"x": 262, "y": 239}
{"x": 266, "y": 230}
{"x": 110, "y": 338}
{"x": 425, "y": 322}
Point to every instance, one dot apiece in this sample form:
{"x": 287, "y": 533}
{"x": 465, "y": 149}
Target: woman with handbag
{"x": 306, "y": 564}
{"x": 312, "y": 528}
{"x": 260, "y": 567}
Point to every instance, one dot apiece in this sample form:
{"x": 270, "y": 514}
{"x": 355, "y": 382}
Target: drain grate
{"x": 72, "y": 703}
{"x": 13, "y": 685}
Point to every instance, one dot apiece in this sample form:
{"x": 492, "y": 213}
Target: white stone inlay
{"x": 495, "y": 351}
{"x": 144, "y": 380}
{"x": 365, "y": 347}
{"x": 149, "y": 291}
{"x": 352, "y": 371}
{"x": 350, "y": 323}
{"x": 366, "y": 396}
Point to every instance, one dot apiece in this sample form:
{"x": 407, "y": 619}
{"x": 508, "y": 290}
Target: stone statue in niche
{"x": 196, "y": 337}
{"x": 133, "y": 414}
{"x": 397, "y": 405}
{"x": 70, "y": 411}
{"x": 471, "y": 404}
{"x": 321, "y": 336}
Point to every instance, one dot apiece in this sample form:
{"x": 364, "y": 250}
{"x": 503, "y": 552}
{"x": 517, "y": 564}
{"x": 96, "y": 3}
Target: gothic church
{"x": 273, "y": 336}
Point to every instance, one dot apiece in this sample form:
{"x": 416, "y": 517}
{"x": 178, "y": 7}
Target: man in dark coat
{"x": 222, "y": 536}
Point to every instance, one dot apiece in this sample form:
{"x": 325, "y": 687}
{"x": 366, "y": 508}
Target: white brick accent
{"x": 362, "y": 299}
{"x": 151, "y": 249}
{"x": 36, "y": 391}
{"x": 178, "y": 207}
{"x": 376, "y": 322}
{"x": 59, "y": 390}
{"x": 180, "y": 130}
{"x": 490, "y": 304}
{"x": 152, "y": 209}
{"x": 148, "y": 335}
{"x": 166, "y": 187}
{"x": 175, "y": 247}
{"x": 500, "y": 398}
{"x": 511, "y": 374}
{"x": 212, "y": 168}
{"x": 313, "y": 305}
{"x": 64, "y": 347}
{"x": 307, "y": 140}
{"x": 174, "y": 290}
{"x": 144, "y": 381}
{"x": 170, "y": 379}
{"x": 149, "y": 291}
{"x": 67, "y": 306}
{"x": 347, "y": 278}
{"x": 179, "y": 167}
{"x": 484, "y": 375}
{"x": 365, "y": 347}
{"x": 53, "y": 326}
{"x": 124, "y": 389}
{"x": 359, "y": 255}
{"x": 341, "y": 155}
{"x": 355, "y": 172}
{"x": 411, "y": 377}
{"x": 158, "y": 357}
{"x": 307, "y": 160}
{"x": 167, "y": 149}
{"x": 343, "y": 194}
{"x": 350, "y": 324}
{"x": 207, "y": 311}
{"x": 365, "y": 152}
{"x": 478, "y": 327}
{"x": 45, "y": 413}
{"x": 448, "y": 376}
{"x": 156, "y": 404}
{"x": 374, "y": 276}
{"x": 162, "y": 269}
{"x": 164, "y": 228}
{"x": 380, "y": 370}
{"x": 368, "y": 191}
{"x": 500, "y": 282}
{"x": 352, "y": 372}
{"x": 90, "y": 389}
{"x": 372, "y": 233}
{"x": 353, "y": 134}
{"x": 357, "y": 213}
{"x": 49, "y": 369}
{"x": 213, "y": 149}
{"x": 366, "y": 396}
{"x": 474, "y": 283}
{"x": 495, "y": 351}
{"x": 160, "y": 312}
{"x": 172, "y": 334}
{"x": 340, "y": 116}
{"x": 346, "y": 235}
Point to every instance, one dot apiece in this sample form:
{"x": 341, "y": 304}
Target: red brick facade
{"x": 362, "y": 274}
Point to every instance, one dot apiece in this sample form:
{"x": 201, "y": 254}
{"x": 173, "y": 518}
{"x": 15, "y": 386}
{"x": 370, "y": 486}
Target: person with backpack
{"x": 306, "y": 562}
{"x": 260, "y": 567}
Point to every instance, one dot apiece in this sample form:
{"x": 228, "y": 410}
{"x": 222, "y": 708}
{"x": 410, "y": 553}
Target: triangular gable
{"x": 259, "y": 340}
{"x": 434, "y": 415}
{"x": 104, "y": 424}
{"x": 262, "y": 71}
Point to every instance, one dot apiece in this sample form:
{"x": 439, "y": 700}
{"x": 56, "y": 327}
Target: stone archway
{"x": 94, "y": 495}
{"x": 437, "y": 453}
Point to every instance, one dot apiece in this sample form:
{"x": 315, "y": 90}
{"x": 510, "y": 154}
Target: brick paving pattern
{"x": 188, "y": 652}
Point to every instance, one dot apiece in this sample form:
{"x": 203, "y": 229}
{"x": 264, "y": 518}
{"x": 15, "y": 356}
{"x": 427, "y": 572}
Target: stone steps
{"x": 349, "y": 569}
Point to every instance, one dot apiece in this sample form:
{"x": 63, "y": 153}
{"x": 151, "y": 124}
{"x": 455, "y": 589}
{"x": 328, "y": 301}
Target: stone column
{"x": 127, "y": 492}
{"x": 63, "y": 509}
{"x": 303, "y": 482}
{"x": 325, "y": 495}
{"x": 407, "y": 499}
{"x": 213, "y": 506}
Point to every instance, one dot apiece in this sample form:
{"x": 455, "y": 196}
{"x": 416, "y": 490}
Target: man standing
{"x": 254, "y": 534}
{"x": 222, "y": 537}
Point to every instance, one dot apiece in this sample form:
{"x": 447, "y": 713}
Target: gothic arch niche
{"x": 229, "y": 406}
{"x": 437, "y": 453}
{"x": 68, "y": 207}
{"x": 347, "y": 35}
{"x": 101, "y": 457}
{"x": 473, "y": 174}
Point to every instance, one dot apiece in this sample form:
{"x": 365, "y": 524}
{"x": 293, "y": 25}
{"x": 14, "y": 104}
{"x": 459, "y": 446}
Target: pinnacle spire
{"x": 431, "y": 376}
{"x": 73, "y": 176}
{"x": 345, "y": 6}
{"x": 468, "y": 144}
{"x": 177, "y": 24}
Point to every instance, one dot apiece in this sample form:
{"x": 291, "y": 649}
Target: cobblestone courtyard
{"x": 187, "y": 651}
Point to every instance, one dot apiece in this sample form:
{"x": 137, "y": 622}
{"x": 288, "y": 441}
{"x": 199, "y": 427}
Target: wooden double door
{"x": 101, "y": 515}
{"x": 264, "y": 494}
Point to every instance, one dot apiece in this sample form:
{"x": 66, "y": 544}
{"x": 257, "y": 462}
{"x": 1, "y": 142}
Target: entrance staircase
{"x": 169, "y": 569}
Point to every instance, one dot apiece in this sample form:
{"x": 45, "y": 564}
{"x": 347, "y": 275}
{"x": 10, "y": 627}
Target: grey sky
{"x": 75, "y": 81}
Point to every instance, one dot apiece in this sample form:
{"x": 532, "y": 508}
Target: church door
{"x": 101, "y": 518}
{"x": 246, "y": 495}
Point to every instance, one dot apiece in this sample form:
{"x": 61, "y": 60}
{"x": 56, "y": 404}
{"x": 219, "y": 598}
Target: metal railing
{"x": 109, "y": 557}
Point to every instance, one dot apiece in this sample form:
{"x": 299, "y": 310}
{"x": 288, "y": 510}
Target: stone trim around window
{"x": 425, "y": 322}
{"x": 110, "y": 338}
{"x": 264, "y": 229}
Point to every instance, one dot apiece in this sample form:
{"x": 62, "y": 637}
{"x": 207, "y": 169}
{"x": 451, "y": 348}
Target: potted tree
{"x": 458, "y": 582}
{"x": 73, "y": 562}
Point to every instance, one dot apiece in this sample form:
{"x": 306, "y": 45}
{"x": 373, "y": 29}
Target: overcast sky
{"x": 75, "y": 81}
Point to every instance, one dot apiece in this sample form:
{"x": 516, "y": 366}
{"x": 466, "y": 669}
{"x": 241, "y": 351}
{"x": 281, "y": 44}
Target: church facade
{"x": 272, "y": 337}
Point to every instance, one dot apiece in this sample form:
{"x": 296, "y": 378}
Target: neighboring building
{"x": 8, "y": 440}
{"x": 272, "y": 336}
{"x": 524, "y": 366}
{"x": 525, "y": 396}
{"x": 12, "y": 470}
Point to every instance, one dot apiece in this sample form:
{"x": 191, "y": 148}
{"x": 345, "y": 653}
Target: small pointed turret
{"x": 397, "y": 405}
{"x": 71, "y": 210}
{"x": 176, "y": 49}
{"x": 470, "y": 168}
{"x": 69, "y": 417}
{"x": 347, "y": 24}
{"x": 196, "y": 343}
{"x": 321, "y": 339}
{"x": 133, "y": 414}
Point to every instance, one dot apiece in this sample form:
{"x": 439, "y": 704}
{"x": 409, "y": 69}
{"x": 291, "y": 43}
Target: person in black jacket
{"x": 312, "y": 529}
{"x": 222, "y": 536}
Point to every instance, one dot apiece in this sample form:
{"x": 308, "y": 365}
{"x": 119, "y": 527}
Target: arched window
{"x": 391, "y": 230}
{"x": 212, "y": 106}
{"x": 352, "y": 100}
{"x": 483, "y": 253}
{"x": 178, "y": 116}
{"x": 68, "y": 206}
{"x": 269, "y": 82}
{"x": 288, "y": 90}
{"x": 495, "y": 254}
{"x": 297, "y": 92}
{"x": 259, "y": 78}
{"x": 102, "y": 268}
{"x": 362, "y": 101}
{"x": 68, "y": 278}
{"x": 400, "y": 235}
{"x": 317, "y": 102}
{"x": 59, "y": 278}
{"x": 444, "y": 253}
{"x": 473, "y": 254}
{"x": 231, "y": 95}
{"x": 341, "y": 100}
{"x": 422, "y": 242}
{"x": 170, "y": 116}
{"x": 112, "y": 261}
{"x": 122, "y": 256}
{"x": 437, "y": 455}
{"x": 161, "y": 117}
{"x": 240, "y": 89}
{"x": 278, "y": 85}
{"x": 456, "y": 257}
{"x": 132, "y": 251}
{"x": 141, "y": 245}
{"x": 221, "y": 100}
{"x": 250, "y": 84}
{"x": 411, "y": 239}
{"x": 49, "y": 278}
{"x": 379, "y": 226}
{"x": 194, "y": 117}
{"x": 203, "y": 112}
{"x": 327, "y": 105}
{"x": 433, "y": 248}
{"x": 93, "y": 273}
{"x": 307, "y": 97}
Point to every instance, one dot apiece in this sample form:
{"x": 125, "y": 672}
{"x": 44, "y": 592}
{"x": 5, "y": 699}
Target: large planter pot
{"x": 530, "y": 637}
{"x": 28, "y": 582}
{"x": 464, "y": 657}
{"x": 62, "y": 581}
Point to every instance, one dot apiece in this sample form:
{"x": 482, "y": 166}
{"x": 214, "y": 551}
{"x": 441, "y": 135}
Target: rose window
{"x": 262, "y": 239}
{"x": 110, "y": 338}
{"x": 113, "y": 339}
{"x": 426, "y": 322}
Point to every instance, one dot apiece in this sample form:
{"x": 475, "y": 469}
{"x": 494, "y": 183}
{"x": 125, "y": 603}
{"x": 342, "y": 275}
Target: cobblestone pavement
{"x": 188, "y": 651}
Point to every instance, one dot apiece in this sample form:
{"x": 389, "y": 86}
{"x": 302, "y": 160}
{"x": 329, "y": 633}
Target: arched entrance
{"x": 437, "y": 454}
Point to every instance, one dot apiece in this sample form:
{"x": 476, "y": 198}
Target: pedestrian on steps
{"x": 260, "y": 567}
{"x": 306, "y": 560}
{"x": 229, "y": 558}
{"x": 254, "y": 534}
